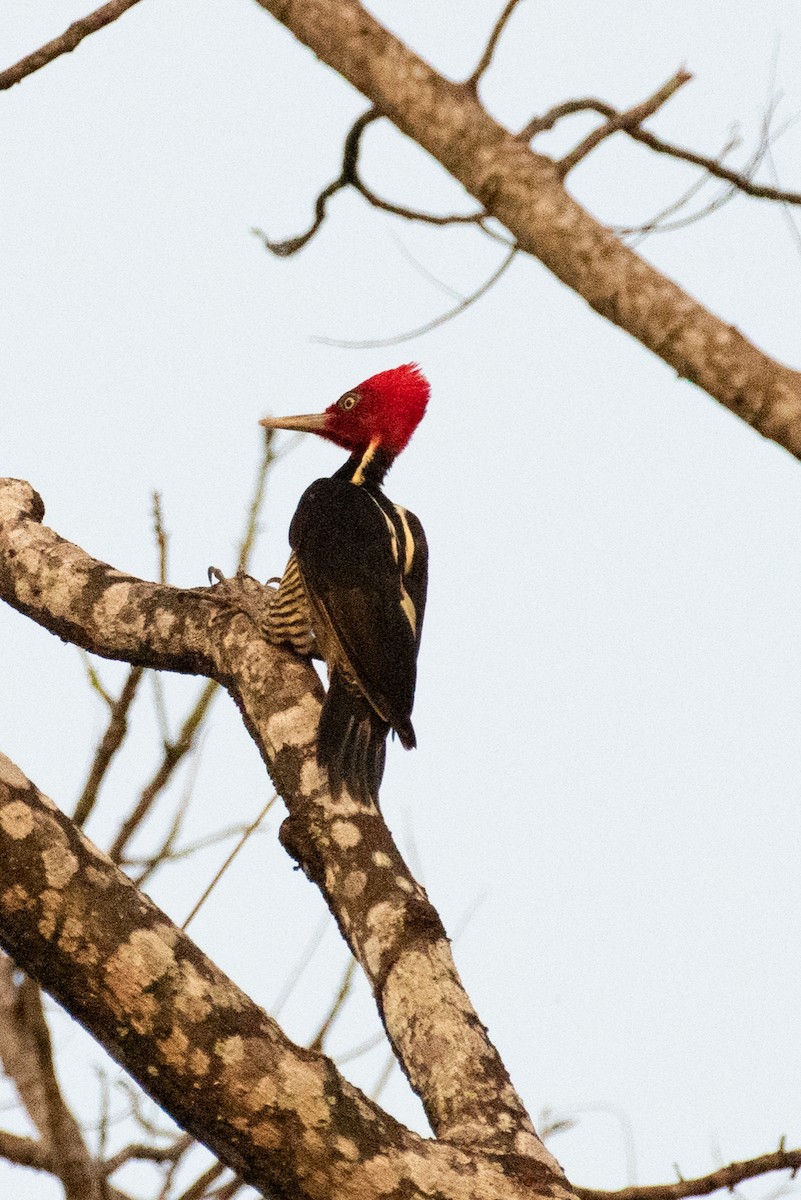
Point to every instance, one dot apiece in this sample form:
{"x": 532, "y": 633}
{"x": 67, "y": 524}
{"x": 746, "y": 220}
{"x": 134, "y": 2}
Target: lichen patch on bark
{"x": 295, "y": 726}
{"x": 136, "y": 965}
{"x": 60, "y": 864}
{"x": 16, "y": 819}
{"x": 345, "y": 834}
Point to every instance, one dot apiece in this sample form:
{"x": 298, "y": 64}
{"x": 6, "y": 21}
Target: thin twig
{"x": 338, "y": 1003}
{"x": 95, "y": 682}
{"x": 148, "y": 861}
{"x": 725, "y": 1177}
{"x": 67, "y": 41}
{"x": 489, "y": 50}
{"x": 414, "y": 214}
{"x": 227, "y": 1191}
{"x": 350, "y": 154}
{"x": 199, "y": 1188}
{"x": 632, "y": 118}
{"x": 165, "y": 852}
{"x": 109, "y": 744}
{"x": 363, "y": 1048}
{"x": 160, "y": 534}
{"x": 715, "y": 168}
{"x": 372, "y": 343}
{"x": 144, "y": 1152}
{"x": 660, "y": 222}
{"x": 349, "y": 177}
{"x": 174, "y": 752}
{"x": 384, "y": 1076}
{"x": 291, "y": 982}
{"x": 254, "y": 511}
{"x": 424, "y": 271}
{"x": 250, "y": 829}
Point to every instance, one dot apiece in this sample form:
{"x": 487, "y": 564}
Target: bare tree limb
{"x": 726, "y": 1177}
{"x": 632, "y": 118}
{"x": 66, "y": 42}
{"x": 108, "y": 746}
{"x": 343, "y": 847}
{"x": 714, "y": 166}
{"x": 524, "y": 191}
{"x": 173, "y": 754}
{"x": 281, "y": 1117}
{"x": 485, "y": 61}
{"x": 27, "y": 1056}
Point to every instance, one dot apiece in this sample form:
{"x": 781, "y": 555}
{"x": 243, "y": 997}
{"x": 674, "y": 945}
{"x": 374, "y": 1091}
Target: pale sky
{"x": 609, "y": 702}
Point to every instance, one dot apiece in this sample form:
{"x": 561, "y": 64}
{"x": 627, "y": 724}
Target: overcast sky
{"x": 604, "y": 804}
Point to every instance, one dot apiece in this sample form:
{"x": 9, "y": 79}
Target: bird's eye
{"x": 349, "y": 401}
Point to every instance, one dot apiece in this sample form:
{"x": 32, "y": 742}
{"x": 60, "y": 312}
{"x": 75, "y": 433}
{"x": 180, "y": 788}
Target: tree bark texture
{"x": 525, "y": 192}
{"x": 75, "y": 923}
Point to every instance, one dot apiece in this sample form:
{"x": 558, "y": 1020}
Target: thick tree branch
{"x": 280, "y": 1116}
{"x": 524, "y": 191}
{"x": 66, "y": 42}
{"x": 726, "y": 1177}
{"x": 345, "y": 848}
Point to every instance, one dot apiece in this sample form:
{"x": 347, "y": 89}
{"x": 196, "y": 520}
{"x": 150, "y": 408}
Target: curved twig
{"x": 350, "y": 154}
{"x": 373, "y": 343}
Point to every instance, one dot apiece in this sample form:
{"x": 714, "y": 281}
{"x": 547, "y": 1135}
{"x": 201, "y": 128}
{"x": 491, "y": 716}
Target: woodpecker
{"x": 354, "y": 589}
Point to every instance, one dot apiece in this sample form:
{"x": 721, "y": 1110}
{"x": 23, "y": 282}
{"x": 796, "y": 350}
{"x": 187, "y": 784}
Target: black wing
{"x": 364, "y": 565}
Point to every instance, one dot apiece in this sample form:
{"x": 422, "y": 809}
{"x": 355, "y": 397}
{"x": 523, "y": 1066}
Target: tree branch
{"x": 726, "y": 1177}
{"x": 67, "y": 41}
{"x": 485, "y": 61}
{"x": 714, "y": 166}
{"x": 279, "y": 1116}
{"x": 27, "y": 1055}
{"x": 343, "y": 847}
{"x": 108, "y": 746}
{"x": 434, "y": 323}
{"x": 632, "y": 118}
{"x": 524, "y": 191}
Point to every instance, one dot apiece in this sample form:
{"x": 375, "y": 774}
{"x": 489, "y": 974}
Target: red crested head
{"x": 385, "y": 410}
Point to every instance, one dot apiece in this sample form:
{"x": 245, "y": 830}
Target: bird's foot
{"x": 243, "y": 593}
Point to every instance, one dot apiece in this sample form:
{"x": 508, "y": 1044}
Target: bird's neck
{"x": 367, "y": 466}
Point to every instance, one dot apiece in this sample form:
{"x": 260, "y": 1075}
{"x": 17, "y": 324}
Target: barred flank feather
{"x": 289, "y": 616}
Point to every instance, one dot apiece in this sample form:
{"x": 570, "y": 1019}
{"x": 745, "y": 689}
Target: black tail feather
{"x": 351, "y": 742}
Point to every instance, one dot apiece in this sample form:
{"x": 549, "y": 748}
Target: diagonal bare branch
{"x": 632, "y": 118}
{"x": 66, "y": 42}
{"x": 108, "y": 746}
{"x": 726, "y": 1177}
{"x": 283, "y": 1118}
{"x": 485, "y": 61}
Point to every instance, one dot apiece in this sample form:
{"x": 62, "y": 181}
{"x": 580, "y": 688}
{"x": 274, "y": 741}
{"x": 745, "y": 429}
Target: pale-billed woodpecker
{"x": 354, "y": 589}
